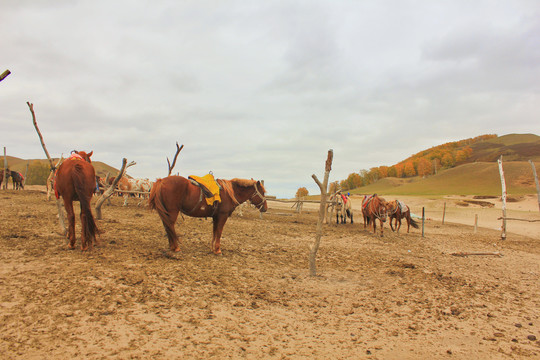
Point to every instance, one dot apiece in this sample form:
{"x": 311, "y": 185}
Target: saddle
{"x": 367, "y": 200}
{"x": 402, "y": 207}
{"x": 209, "y": 187}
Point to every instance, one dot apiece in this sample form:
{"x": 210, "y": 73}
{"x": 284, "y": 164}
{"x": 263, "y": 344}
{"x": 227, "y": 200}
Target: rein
{"x": 377, "y": 214}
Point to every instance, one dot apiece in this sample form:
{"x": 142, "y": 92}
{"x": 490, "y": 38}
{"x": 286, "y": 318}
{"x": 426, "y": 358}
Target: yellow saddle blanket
{"x": 209, "y": 187}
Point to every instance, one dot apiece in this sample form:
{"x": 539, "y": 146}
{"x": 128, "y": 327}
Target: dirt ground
{"x": 394, "y": 297}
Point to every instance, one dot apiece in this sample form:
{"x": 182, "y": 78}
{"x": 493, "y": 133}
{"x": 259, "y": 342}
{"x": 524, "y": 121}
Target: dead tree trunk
{"x": 110, "y": 190}
{"x": 536, "y": 182}
{"x": 322, "y": 209}
{"x": 58, "y": 202}
{"x": 503, "y": 198}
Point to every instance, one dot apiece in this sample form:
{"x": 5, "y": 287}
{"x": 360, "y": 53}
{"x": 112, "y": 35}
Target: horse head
{"x": 382, "y": 208}
{"x": 84, "y": 155}
{"x": 260, "y": 197}
{"x": 391, "y": 206}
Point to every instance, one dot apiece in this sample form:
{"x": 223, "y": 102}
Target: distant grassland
{"x": 481, "y": 178}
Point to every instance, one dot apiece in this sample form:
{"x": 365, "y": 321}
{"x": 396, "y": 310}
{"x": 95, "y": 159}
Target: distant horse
{"x": 343, "y": 208}
{"x": 18, "y": 180}
{"x": 374, "y": 207}
{"x": 76, "y": 181}
{"x": 398, "y": 210}
{"x": 175, "y": 194}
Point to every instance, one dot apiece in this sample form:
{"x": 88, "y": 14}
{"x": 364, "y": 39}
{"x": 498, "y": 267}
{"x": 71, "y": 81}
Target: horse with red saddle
{"x": 75, "y": 180}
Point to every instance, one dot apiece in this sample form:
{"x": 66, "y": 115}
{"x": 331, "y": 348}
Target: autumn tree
{"x": 399, "y": 170}
{"x": 383, "y": 171}
{"x": 302, "y": 192}
{"x": 409, "y": 169}
{"x": 447, "y": 160}
{"x": 424, "y": 167}
{"x": 333, "y": 187}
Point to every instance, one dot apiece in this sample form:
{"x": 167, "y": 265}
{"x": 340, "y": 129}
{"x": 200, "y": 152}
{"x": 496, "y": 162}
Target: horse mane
{"x": 244, "y": 182}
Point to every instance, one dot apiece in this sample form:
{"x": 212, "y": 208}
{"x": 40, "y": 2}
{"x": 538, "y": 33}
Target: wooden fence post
{"x": 503, "y": 198}
{"x": 444, "y": 212}
{"x": 475, "y": 222}
{"x": 536, "y": 182}
{"x": 324, "y": 186}
{"x": 423, "y": 220}
{"x": 5, "y": 170}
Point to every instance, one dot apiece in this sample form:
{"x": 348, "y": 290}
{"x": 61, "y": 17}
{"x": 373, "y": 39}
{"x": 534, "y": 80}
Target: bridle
{"x": 379, "y": 214}
{"x": 261, "y": 196}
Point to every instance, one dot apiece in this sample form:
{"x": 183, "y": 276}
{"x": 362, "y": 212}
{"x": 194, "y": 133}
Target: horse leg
{"x": 381, "y": 223}
{"x": 351, "y": 217}
{"x": 337, "y": 218}
{"x": 218, "y": 224}
{"x": 68, "y": 205}
{"x": 398, "y": 226}
{"x": 84, "y": 234}
{"x": 168, "y": 224}
{"x": 374, "y": 225}
{"x": 408, "y": 223}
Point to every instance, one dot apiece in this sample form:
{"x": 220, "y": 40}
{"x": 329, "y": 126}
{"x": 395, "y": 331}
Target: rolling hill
{"x": 480, "y": 178}
{"x": 40, "y": 167}
{"x": 470, "y": 168}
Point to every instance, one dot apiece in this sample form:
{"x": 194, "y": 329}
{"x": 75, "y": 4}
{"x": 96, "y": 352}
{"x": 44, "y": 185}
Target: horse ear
{"x": 90, "y": 153}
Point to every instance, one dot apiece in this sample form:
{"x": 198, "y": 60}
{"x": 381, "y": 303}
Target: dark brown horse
{"x": 397, "y": 210}
{"x": 75, "y": 181}
{"x": 373, "y": 208}
{"x": 18, "y": 180}
{"x": 175, "y": 194}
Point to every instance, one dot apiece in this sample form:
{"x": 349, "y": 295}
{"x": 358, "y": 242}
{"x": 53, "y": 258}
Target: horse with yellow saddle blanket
{"x": 174, "y": 194}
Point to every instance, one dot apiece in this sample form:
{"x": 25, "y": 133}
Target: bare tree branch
{"x": 178, "y": 149}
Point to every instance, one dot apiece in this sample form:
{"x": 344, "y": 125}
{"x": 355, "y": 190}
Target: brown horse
{"x": 374, "y": 207}
{"x": 18, "y": 180}
{"x": 175, "y": 194}
{"x": 75, "y": 181}
{"x": 397, "y": 210}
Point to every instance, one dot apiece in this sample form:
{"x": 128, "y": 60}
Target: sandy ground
{"x": 402, "y": 296}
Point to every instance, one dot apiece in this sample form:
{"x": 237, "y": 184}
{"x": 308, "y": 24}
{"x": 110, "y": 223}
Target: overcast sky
{"x": 263, "y": 89}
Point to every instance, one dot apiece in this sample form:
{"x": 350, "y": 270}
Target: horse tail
{"x": 89, "y": 227}
{"x": 414, "y": 223}
{"x": 154, "y": 199}
{"x": 349, "y": 213}
{"x": 155, "y": 202}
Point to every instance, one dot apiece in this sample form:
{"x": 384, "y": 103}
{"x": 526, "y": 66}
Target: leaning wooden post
{"x": 5, "y": 169}
{"x": 58, "y": 202}
{"x": 4, "y": 75}
{"x": 536, "y": 182}
{"x": 315, "y": 246}
{"x": 110, "y": 190}
{"x": 503, "y": 198}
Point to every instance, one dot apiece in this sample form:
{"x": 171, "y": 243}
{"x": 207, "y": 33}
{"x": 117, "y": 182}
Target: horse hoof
{"x": 218, "y": 252}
